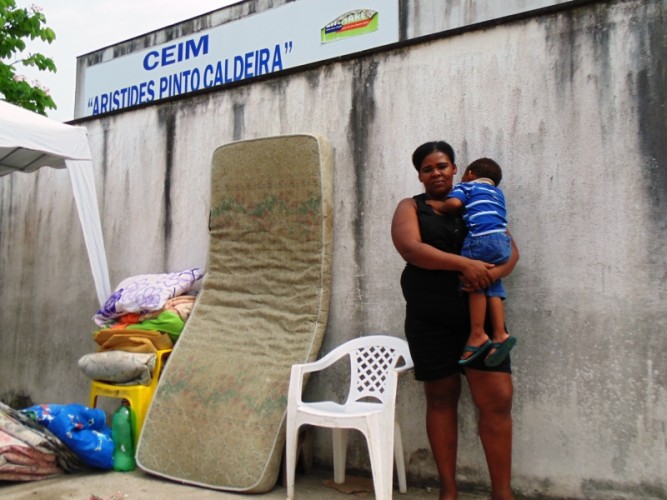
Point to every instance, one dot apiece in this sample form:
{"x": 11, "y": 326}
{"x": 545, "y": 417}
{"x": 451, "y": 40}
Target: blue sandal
{"x": 502, "y": 349}
{"x": 476, "y": 352}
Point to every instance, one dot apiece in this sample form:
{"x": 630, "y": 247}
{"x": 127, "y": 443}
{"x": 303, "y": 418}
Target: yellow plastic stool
{"x": 138, "y": 396}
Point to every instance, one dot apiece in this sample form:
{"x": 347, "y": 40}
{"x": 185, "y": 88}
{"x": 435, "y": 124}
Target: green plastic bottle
{"x": 121, "y": 434}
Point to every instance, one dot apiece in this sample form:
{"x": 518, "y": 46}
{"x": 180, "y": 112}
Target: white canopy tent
{"x": 29, "y": 141}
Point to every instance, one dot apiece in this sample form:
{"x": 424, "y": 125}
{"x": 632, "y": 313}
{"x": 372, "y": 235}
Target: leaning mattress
{"x": 218, "y": 414}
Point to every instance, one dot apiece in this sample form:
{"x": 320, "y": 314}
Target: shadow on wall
{"x": 17, "y": 399}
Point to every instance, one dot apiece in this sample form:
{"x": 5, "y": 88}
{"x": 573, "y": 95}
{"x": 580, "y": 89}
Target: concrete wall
{"x": 570, "y": 102}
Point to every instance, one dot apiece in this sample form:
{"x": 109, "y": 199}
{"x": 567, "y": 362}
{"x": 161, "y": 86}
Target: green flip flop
{"x": 476, "y": 352}
{"x": 502, "y": 349}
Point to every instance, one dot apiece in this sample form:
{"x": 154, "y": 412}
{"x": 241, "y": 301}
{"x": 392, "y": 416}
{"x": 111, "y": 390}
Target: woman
{"x": 437, "y": 324}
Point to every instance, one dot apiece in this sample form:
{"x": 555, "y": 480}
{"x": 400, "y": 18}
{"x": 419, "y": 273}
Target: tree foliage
{"x": 16, "y": 26}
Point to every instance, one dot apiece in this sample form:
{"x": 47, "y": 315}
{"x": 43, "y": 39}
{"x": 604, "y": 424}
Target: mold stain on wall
{"x": 362, "y": 115}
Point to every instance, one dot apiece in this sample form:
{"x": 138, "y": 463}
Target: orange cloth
{"x": 125, "y": 320}
{"x": 132, "y": 340}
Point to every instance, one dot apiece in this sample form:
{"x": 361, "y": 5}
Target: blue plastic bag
{"x": 82, "y": 429}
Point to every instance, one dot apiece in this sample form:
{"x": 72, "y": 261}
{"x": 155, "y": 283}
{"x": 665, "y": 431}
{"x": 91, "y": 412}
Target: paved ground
{"x": 139, "y": 486}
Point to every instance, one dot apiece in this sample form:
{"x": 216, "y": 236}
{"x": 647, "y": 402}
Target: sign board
{"x": 292, "y": 35}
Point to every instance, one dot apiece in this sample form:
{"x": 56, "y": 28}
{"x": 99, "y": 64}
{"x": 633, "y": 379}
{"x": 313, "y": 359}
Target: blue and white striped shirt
{"x": 484, "y": 204}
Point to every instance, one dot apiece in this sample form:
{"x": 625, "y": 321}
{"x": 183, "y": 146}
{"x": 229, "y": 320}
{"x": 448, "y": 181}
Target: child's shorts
{"x": 494, "y": 248}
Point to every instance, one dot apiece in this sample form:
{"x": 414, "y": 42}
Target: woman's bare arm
{"x": 407, "y": 240}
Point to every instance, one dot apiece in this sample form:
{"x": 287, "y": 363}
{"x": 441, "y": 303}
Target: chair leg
{"x": 291, "y": 438}
{"x": 339, "y": 441}
{"x": 139, "y": 417}
{"x": 306, "y": 449}
{"x": 304, "y": 454}
{"x": 380, "y": 447}
{"x": 400, "y": 459}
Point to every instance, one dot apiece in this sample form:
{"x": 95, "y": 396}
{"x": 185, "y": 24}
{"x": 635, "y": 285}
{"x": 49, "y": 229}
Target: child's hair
{"x": 486, "y": 167}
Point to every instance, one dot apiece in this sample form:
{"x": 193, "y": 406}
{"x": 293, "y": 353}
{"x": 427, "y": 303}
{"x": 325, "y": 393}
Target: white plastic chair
{"x": 370, "y": 408}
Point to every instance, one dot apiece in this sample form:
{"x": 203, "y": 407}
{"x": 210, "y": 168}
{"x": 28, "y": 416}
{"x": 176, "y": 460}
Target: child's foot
{"x": 474, "y": 348}
{"x": 500, "y": 350}
{"x": 497, "y": 338}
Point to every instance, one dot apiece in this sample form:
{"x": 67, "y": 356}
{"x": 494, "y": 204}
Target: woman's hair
{"x": 486, "y": 167}
{"x": 431, "y": 147}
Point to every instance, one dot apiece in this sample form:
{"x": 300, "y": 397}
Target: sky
{"x": 83, "y": 26}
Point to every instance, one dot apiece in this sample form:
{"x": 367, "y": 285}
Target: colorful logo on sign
{"x": 353, "y": 23}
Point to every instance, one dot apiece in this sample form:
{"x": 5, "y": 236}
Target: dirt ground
{"x": 137, "y": 485}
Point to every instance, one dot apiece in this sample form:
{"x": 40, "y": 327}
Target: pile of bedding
{"x": 29, "y": 452}
{"x": 144, "y": 314}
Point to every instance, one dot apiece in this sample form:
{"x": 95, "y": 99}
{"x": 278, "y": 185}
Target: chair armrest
{"x": 315, "y": 366}
{"x": 295, "y": 389}
{"x": 300, "y": 369}
{"x": 324, "y": 362}
{"x": 406, "y": 366}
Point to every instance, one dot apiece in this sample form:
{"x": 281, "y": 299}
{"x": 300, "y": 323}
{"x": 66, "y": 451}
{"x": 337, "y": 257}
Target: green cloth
{"x": 167, "y": 321}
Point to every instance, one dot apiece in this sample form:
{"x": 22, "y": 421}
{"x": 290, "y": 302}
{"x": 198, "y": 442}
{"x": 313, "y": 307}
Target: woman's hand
{"x": 476, "y": 275}
{"x": 496, "y": 272}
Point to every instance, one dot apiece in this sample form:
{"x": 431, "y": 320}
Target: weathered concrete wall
{"x": 571, "y": 103}
{"x": 428, "y": 17}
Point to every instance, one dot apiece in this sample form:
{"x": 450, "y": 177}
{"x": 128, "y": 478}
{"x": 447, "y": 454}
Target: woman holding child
{"x": 437, "y": 324}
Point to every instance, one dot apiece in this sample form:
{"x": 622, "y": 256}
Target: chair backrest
{"x": 373, "y": 363}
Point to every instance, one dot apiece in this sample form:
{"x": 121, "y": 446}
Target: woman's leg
{"x": 442, "y": 398}
{"x": 492, "y": 394}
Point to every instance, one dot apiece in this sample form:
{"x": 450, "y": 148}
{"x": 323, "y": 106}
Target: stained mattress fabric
{"x": 217, "y": 418}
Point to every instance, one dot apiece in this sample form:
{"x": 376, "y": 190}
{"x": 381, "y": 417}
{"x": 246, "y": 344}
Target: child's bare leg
{"x": 497, "y": 317}
{"x": 477, "y": 304}
{"x": 500, "y": 335}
